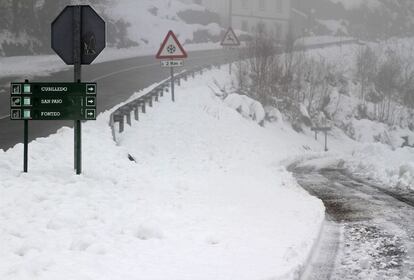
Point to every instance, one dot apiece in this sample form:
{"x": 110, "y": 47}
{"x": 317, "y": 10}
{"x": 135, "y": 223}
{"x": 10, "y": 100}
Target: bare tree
{"x": 261, "y": 53}
{"x": 387, "y": 82}
{"x": 366, "y": 65}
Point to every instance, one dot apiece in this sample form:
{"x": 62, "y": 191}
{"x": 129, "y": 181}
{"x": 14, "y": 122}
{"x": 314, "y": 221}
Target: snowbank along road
{"x": 368, "y": 231}
{"x": 117, "y": 80}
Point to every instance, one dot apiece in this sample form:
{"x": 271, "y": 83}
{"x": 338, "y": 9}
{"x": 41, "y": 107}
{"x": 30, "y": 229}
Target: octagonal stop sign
{"x": 90, "y": 27}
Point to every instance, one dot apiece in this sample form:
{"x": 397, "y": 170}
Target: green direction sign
{"x": 53, "y": 101}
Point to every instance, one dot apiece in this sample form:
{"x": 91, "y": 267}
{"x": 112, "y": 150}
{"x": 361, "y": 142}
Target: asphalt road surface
{"x": 368, "y": 233}
{"x": 117, "y": 81}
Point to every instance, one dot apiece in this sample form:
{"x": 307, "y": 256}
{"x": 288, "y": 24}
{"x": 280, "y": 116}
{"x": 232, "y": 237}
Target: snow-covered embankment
{"x": 206, "y": 199}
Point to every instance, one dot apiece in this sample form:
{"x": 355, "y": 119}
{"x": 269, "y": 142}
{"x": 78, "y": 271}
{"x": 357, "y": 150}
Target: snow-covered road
{"x": 369, "y": 232}
{"x": 117, "y": 80}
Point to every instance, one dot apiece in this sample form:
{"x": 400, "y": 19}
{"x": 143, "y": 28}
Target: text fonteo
{"x": 50, "y": 114}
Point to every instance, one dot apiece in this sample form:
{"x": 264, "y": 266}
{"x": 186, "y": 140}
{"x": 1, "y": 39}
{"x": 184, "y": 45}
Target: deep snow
{"x": 207, "y": 198}
{"x": 374, "y": 152}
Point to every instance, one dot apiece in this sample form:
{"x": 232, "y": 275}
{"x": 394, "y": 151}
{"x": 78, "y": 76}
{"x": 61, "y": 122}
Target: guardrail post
{"x": 128, "y": 117}
{"x": 120, "y": 120}
{"x": 185, "y": 77}
{"x": 112, "y": 124}
{"x": 162, "y": 91}
{"x": 156, "y": 95}
{"x": 136, "y": 112}
{"x": 150, "y": 100}
{"x": 121, "y": 125}
{"x": 142, "y": 103}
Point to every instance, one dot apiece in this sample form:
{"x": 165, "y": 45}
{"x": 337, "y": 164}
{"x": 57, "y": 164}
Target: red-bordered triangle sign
{"x": 230, "y": 39}
{"x": 171, "y": 48}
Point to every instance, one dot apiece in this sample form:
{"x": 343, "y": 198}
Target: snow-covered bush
{"x": 406, "y": 176}
{"x": 247, "y": 107}
{"x": 273, "y": 114}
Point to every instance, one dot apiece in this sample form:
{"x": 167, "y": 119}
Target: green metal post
{"x": 26, "y": 146}
{"x": 77, "y": 47}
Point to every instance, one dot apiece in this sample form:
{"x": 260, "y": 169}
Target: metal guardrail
{"x": 300, "y": 47}
{"x": 122, "y": 115}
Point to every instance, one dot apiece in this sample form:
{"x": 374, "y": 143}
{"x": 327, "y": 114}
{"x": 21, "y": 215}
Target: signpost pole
{"x": 229, "y": 41}
{"x": 171, "y": 49}
{"x": 326, "y": 140}
{"x": 230, "y": 25}
{"x": 26, "y": 143}
{"x": 77, "y": 18}
{"x": 230, "y": 61}
{"x": 26, "y": 146}
{"x": 172, "y": 84}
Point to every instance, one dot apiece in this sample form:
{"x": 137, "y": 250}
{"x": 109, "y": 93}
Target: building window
{"x": 245, "y": 26}
{"x": 244, "y": 4}
{"x": 262, "y": 5}
{"x": 279, "y": 6}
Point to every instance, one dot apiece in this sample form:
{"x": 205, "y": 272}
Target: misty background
{"x": 25, "y": 24}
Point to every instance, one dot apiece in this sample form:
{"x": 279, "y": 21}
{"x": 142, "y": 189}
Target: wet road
{"x": 117, "y": 81}
{"x": 368, "y": 232}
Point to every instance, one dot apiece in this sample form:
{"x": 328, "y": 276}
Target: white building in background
{"x": 250, "y": 15}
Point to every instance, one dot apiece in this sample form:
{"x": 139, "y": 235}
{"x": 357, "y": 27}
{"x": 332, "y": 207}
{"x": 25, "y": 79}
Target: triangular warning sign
{"x": 230, "y": 39}
{"x": 171, "y": 48}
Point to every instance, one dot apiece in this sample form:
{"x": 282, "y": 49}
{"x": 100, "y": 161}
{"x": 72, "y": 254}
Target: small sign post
{"x": 170, "y": 50}
{"x": 325, "y": 130}
{"x": 51, "y": 101}
{"x": 78, "y": 37}
{"x": 230, "y": 41}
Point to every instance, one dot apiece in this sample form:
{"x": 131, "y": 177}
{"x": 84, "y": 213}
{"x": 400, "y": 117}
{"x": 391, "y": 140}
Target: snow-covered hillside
{"x": 364, "y": 19}
{"x": 207, "y": 198}
{"x": 348, "y": 89}
{"x": 150, "y": 19}
{"x": 381, "y": 153}
{"x": 129, "y": 23}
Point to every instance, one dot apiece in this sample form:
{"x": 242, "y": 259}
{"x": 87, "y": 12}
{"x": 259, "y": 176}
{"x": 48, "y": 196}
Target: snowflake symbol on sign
{"x": 171, "y": 49}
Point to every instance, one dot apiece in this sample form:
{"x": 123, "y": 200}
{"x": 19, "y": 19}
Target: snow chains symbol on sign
{"x": 171, "y": 49}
